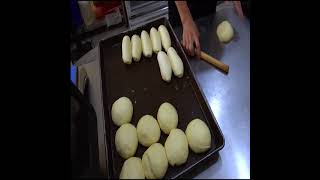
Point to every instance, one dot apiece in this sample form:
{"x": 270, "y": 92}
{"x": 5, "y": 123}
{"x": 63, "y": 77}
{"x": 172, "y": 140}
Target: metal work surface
{"x": 228, "y": 95}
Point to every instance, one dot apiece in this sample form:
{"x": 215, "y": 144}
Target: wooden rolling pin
{"x": 218, "y": 64}
{"x": 223, "y": 67}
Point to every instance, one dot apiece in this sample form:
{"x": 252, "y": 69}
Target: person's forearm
{"x": 184, "y": 11}
{"x": 238, "y": 7}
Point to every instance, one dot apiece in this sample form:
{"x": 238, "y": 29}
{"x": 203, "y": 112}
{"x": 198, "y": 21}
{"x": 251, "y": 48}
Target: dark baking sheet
{"x": 142, "y": 83}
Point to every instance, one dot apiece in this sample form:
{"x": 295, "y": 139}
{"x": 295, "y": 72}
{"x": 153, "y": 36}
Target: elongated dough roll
{"x": 136, "y": 47}
{"x": 126, "y": 50}
{"x": 176, "y": 62}
{"x": 155, "y": 39}
{"x": 146, "y": 44}
{"x": 165, "y": 37}
{"x": 164, "y": 65}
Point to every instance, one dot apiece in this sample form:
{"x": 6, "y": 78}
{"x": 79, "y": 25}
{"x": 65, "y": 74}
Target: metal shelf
{"x": 100, "y": 27}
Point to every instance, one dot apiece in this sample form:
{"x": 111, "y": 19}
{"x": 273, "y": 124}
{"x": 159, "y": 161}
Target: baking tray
{"x": 142, "y": 83}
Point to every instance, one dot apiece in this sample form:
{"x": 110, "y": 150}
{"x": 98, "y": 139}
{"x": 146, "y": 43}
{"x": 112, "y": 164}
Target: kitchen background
{"x": 93, "y": 21}
{"x": 96, "y": 20}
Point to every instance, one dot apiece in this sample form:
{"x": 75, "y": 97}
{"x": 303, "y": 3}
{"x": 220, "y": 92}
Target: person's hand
{"x": 190, "y": 38}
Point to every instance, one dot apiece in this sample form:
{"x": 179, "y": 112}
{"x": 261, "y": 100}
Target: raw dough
{"x": 126, "y": 140}
{"x": 176, "y": 62}
{"x": 164, "y": 65}
{"x": 121, "y": 111}
{"x": 155, "y": 39}
{"x": 148, "y": 130}
{"x": 132, "y": 169}
{"x": 165, "y": 37}
{"x": 136, "y": 47}
{"x": 225, "y": 31}
{"x": 176, "y": 146}
{"x": 126, "y": 50}
{"x": 155, "y": 162}
{"x": 198, "y": 135}
{"x": 146, "y": 44}
{"x": 167, "y": 117}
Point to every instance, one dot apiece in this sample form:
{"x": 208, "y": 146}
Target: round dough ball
{"x": 198, "y": 136}
{"x": 126, "y": 140}
{"x": 176, "y": 147}
{"x": 155, "y": 162}
{"x": 121, "y": 111}
{"x": 167, "y": 117}
{"x": 225, "y": 31}
{"x": 132, "y": 169}
{"x": 148, "y": 130}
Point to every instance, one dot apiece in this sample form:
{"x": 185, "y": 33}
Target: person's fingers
{"x": 197, "y": 48}
{"x": 187, "y": 45}
{"x": 197, "y": 32}
{"x": 184, "y": 41}
{"x": 193, "y": 45}
{"x": 190, "y": 46}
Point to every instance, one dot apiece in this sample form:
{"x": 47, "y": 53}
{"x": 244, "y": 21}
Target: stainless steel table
{"x": 228, "y": 95}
